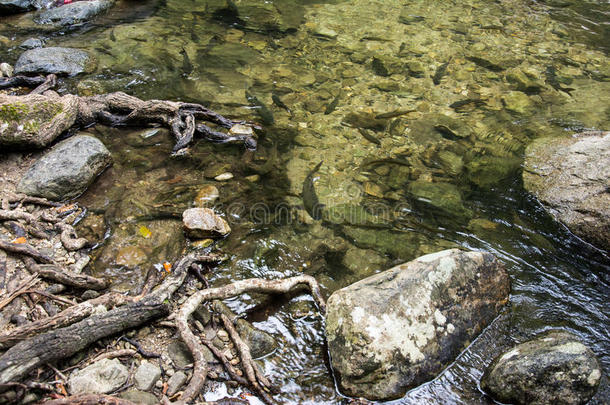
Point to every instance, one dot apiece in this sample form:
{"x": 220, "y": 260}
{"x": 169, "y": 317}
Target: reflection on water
{"x": 419, "y": 111}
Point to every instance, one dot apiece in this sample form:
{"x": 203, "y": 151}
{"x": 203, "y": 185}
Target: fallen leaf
{"x": 21, "y": 240}
{"x": 145, "y": 232}
{"x": 167, "y": 266}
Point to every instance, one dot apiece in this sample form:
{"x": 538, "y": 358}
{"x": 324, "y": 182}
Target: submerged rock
{"x": 571, "y": 178}
{"x": 65, "y": 171}
{"x": 56, "y": 60}
{"x": 553, "y": 368}
{"x": 35, "y": 120}
{"x": 101, "y": 377}
{"x": 73, "y": 13}
{"x": 204, "y": 223}
{"x": 400, "y": 328}
{"x": 260, "y": 342}
{"x": 258, "y": 15}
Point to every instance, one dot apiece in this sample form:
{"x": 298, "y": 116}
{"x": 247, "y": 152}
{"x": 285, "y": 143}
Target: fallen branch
{"x": 114, "y": 354}
{"x": 24, "y": 286}
{"x": 228, "y": 291}
{"x": 21, "y": 359}
{"x": 64, "y": 318}
{"x": 49, "y": 83}
{"x": 26, "y": 250}
{"x": 90, "y": 399}
{"x": 120, "y": 109}
{"x": 225, "y": 362}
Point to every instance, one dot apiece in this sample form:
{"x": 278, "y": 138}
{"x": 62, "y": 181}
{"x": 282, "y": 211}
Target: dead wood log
{"x": 90, "y": 399}
{"x": 18, "y": 361}
{"x": 228, "y": 291}
{"x": 64, "y": 318}
{"x": 21, "y": 81}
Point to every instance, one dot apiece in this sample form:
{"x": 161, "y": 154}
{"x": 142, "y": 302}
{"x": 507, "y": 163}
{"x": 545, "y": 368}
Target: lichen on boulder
{"x": 397, "y": 329}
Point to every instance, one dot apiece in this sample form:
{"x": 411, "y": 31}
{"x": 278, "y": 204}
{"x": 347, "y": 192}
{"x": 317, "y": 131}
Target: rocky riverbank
{"x": 408, "y": 125}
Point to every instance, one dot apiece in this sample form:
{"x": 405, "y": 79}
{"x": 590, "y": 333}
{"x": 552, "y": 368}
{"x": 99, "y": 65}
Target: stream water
{"x": 448, "y": 93}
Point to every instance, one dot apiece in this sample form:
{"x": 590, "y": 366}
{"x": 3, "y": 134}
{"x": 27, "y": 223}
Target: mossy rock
{"x": 35, "y": 120}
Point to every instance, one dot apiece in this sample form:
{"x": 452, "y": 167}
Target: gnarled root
{"x": 227, "y": 291}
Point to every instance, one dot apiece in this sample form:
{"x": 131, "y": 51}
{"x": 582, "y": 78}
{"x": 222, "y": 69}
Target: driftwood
{"x": 54, "y": 272}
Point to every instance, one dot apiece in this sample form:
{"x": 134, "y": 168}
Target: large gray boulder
{"x": 35, "y": 120}
{"x": 66, "y": 61}
{"x": 400, "y": 328}
{"x": 101, "y": 377}
{"x": 16, "y": 6}
{"x": 73, "y": 13}
{"x": 65, "y": 171}
{"x": 570, "y": 176}
{"x": 554, "y": 368}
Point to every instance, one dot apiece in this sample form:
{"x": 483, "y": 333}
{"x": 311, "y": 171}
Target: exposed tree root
{"x": 228, "y": 291}
{"x": 256, "y": 379}
{"x": 120, "y": 109}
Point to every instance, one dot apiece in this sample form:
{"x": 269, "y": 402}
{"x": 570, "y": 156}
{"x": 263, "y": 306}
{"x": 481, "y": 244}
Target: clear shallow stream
{"x": 514, "y": 71}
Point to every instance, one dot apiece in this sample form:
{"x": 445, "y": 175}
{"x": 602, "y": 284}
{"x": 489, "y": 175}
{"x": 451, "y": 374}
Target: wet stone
{"x": 553, "y": 368}
{"x": 6, "y": 70}
{"x": 73, "y": 13}
{"x": 176, "y": 382}
{"x": 146, "y": 375}
{"x": 378, "y": 352}
{"x": 65, "y": 171}
{"x": 100, "y": 377}
{"x": 204, "y": 223}
{"x": 32, "y": 43}
{"x": 206, "y": 196}
{"x": 179, "y": 354}
{"x": 140, "y": 397}
{"x": 130, "y": 256}
{"x": 56, "y": 60}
